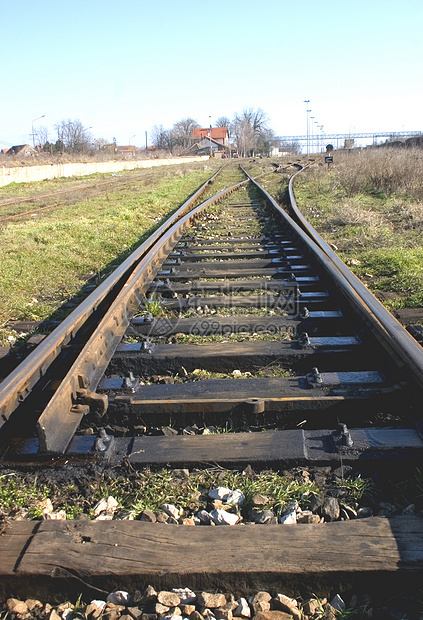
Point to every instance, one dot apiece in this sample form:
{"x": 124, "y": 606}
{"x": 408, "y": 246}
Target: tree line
{"x": 249, "y": 132}
{"x": 72, "y": 137}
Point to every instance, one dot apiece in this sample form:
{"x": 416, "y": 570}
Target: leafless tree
{"x": 248, "y": 128}
{"x": 223, "y": 121}
{"x": 288, "y": 147}
{"x": 75, "y": 137}
{"x": 182, "y": 132}
{"x": 243, "y": 134}
{"x": 160, "y": 137}
{"x": 264, "y": 141}
{"x": 40, "y": 135}
{"x": 100, "y": 143}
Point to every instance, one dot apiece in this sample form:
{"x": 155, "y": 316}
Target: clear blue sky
{"x": 123, "y": 66}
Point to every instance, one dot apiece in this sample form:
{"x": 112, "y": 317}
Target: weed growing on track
{"x": 369, "y": 206}
{"x": 24, "y": 496}
{"x": 19, "y": 496}
{"x": 151, "y": 305}
{"x": 230, "y": 175}
{"x": 231, "y": 337}
{"x": 358, "y": 487}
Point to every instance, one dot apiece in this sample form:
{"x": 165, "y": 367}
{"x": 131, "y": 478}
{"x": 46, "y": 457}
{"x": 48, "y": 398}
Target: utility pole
{"x": 33, "y": 133}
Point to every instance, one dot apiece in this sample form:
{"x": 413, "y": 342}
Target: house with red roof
{"x": 219, "y": 134}
{"x": 214, "y": 139}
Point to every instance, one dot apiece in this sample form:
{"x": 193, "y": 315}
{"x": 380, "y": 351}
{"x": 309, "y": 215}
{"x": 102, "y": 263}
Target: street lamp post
{"x": 33, "y": 134}
{"x": 307, "y": 101}
{"x": 311, "y": 132}
{"x": 131, "y": 138}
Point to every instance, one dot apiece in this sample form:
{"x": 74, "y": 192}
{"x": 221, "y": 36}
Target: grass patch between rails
{"x": 24, "y": 496}
{"x": 234, "y": 337}
{"x": 44, "y": 262}
{"x": 17, "y": 494}
{"x": 368, "y": 206}
{"x": 273, "y": 370}
{"x": 222, "y": 311}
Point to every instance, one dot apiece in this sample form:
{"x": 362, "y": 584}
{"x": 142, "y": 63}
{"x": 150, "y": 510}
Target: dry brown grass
{"x": 40, "y": 159}
{"x": 384, "y": 170}
{"x": 369, "y": 205}
{"x": 355, "y": 215}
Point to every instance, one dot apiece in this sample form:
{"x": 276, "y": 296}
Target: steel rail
{"x": 394, "y": 338}
{"x": 17, "y": 216}
{"x": 20, "y": 383}
{"x": 75, "y": 395}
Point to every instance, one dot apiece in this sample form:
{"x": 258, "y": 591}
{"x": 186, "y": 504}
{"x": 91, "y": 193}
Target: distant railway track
{"x": 232, "y": 315}
{"x": 97, "y": 187}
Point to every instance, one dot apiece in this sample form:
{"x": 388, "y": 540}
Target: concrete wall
{"x": 53, "y": 171}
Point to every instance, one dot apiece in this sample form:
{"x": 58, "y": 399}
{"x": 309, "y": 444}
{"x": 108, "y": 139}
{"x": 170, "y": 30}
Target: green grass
{"x": 147, "y": 489}
{"x": 16, "y": 493}
{"x": 44, "y": 262}
{"x": 33, "y": 188}
{"x": 240, "y": 337}
{"x": 395, "y": 269}
{"x": 153, "y": 306}
{"x": 357, "y": 487}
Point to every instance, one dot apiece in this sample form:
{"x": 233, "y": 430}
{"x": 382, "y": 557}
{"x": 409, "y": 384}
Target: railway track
{"x": 233, "y": 320}
{"x": 17, "y": 208}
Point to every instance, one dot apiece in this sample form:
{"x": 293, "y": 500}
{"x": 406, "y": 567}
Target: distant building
{"x": 21, "y": 149}
{"x": 219, "y": 134}
{"x": 275, "y": 152}
{"x": 215, "y": 139}
{"x": 126, "y": 150}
